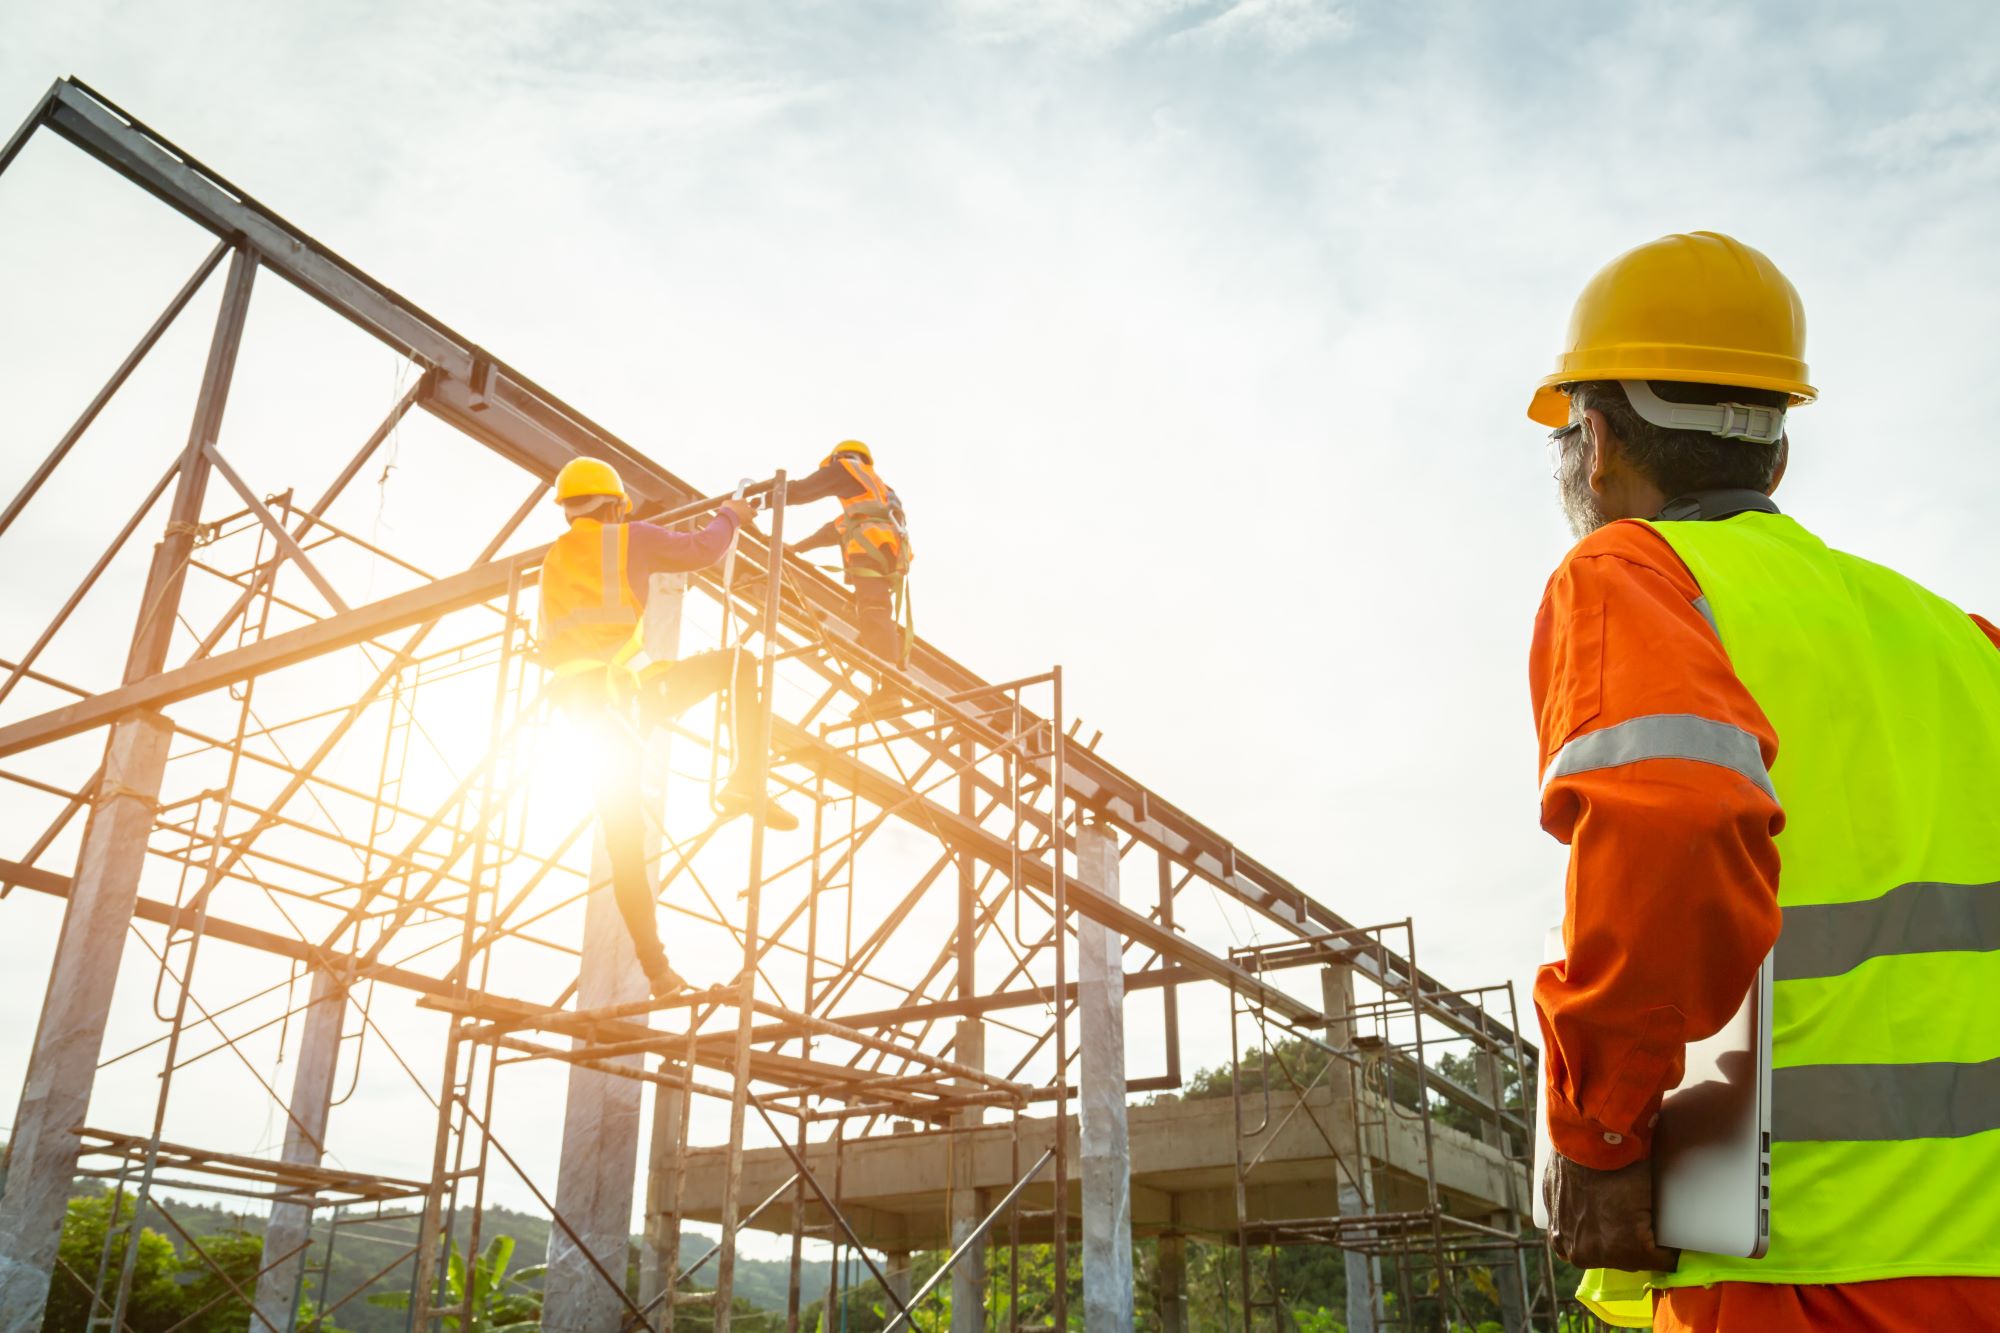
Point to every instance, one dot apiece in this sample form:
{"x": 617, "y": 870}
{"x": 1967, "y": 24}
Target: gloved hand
{"x": 745, "y": 516}
{"x": 1604, "y": 1219}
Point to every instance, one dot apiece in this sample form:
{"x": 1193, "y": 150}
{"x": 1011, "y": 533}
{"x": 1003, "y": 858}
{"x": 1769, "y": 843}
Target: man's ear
{"x": 1784, "y": 460}
{"x": 1604, "y": 449}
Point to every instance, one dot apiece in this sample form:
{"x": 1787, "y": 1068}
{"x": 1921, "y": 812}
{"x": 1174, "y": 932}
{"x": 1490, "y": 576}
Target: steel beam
{"x": 843, "y": 770}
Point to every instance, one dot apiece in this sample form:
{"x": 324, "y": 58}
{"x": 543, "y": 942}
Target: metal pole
{"x": 1059, "y": 895}
{"x": 112, "y": 385}
{"x": 956, "y": 1258}
{"x": 968, "y": 1276}
{"x": 759, "y": 760}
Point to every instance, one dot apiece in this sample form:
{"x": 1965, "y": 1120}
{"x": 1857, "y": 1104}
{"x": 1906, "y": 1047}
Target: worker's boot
{"x": 886, "y": 702}
{"x": 740, "y": 797}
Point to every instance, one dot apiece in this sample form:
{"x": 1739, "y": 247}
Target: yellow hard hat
{"x": 581, "y": 477}
{"x": 852, "y": 447}
{"x": 1699, "y": 308}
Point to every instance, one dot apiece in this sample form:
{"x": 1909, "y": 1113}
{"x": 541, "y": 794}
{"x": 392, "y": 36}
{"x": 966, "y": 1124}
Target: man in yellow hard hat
{"x": 594, "y": 582}
{"x": 1748, "y": 740}
{"x": 874, "y": 540}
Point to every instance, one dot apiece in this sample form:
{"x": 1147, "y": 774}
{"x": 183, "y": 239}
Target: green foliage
{"x": 209, "y": 1297}
{"x": 156, "y": 1300}
{"x": 177, "y": 1288}
{"x": 494, "y": 1301}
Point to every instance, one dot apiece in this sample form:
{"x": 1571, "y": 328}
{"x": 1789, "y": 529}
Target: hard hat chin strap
{"x": 1731, "y": 421}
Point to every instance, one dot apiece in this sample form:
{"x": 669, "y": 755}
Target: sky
{"x": 1196, "y": 337}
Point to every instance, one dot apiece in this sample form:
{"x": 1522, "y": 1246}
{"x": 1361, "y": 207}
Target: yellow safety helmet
{"x": 584, "y": 477}
{"x": 1699, "y": 308}
{"x": 851, "y": 447}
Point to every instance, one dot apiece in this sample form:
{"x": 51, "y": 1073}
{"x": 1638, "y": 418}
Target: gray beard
{"x": 1579, "y": 506}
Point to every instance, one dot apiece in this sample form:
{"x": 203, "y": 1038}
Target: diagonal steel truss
{"x": 250, "y": 645}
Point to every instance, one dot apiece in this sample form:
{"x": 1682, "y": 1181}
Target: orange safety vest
{"x": 874, "y": 539}
{"x": 588, "y": 616}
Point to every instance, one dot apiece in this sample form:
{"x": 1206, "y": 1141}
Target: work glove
{"x": 1604, "y": 1219}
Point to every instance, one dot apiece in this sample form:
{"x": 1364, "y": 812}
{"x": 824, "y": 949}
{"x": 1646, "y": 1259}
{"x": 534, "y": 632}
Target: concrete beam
{"x": 894, "y": 1186}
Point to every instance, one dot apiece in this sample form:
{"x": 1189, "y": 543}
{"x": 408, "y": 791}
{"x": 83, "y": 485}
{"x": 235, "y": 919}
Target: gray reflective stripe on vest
{"x": 1707, "y": 613}
{"x": 1827, "y": 939}
{"x": 1852, "y": 1103}
{"x": 610, "y": 609}
{"x": 1664, "y": 736}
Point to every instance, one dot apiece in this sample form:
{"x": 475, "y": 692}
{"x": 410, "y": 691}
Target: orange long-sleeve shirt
{"x": 1671, "y": 900}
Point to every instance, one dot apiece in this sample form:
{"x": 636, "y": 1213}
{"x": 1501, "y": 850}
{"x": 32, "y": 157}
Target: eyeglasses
{"x": 1557, "y": 439}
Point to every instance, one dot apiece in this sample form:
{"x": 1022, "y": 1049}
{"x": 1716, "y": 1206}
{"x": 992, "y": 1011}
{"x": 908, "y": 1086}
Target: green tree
{"x": 496, "y": 1300}
{"x": 156, "y": 1300}
{"x": 209, "y": 1299}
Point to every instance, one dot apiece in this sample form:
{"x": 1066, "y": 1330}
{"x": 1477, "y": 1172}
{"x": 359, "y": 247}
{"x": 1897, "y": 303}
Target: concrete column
{"x": 63, "y": 1065}
{"x": 305, "y": 1143}
{"x": 600, "y": 1147}
{"x": 56, "y": 1097}
{"x": 1507, "y": 1275}
{"x": 600, "y": 1144}
{"x": 1171, "y": 1283}
{"x": 1107, "y": 1166}
{"x": 1364, "y": 1275}
{"x": 662, "y": 1250}
{"x": 968, "y": 1279}
{"x": 896, "y": 1267}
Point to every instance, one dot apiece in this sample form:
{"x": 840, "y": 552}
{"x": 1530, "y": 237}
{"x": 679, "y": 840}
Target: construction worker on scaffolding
{"x": 874, "y": 540}
{"x": 1718, "y": 692}
{"x": 594, "y": 582}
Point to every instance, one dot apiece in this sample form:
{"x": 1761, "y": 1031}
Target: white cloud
{"x": 1283, "y": 26}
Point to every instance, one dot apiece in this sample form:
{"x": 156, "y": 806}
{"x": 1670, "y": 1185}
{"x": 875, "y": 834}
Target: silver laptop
{"x": 1712, "y": 1150}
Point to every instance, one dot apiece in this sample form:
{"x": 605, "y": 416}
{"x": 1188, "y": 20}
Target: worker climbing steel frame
{"x": 429, "y": 911}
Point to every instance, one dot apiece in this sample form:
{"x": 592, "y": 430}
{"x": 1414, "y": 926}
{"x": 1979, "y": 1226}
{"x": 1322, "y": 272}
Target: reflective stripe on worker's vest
{"x": 1827, "y": 939}
{"x": 1664, "y": 736}
{"x": 611, "y": 607}
{"x": 1852, "y": 1103}
{"x": 588, "y": 612}
{"x": 873, "y": 538}
{"x": 1707, "y": 613}
{"x": 1885, "y": 1092}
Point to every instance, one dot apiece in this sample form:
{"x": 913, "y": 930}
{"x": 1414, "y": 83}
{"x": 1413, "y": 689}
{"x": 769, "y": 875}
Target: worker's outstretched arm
{"x": 1671, "y": 898}
{"x": 656, "y": 550}
{"x": 826, "y": 536}
{"x": 830, "y": 480}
